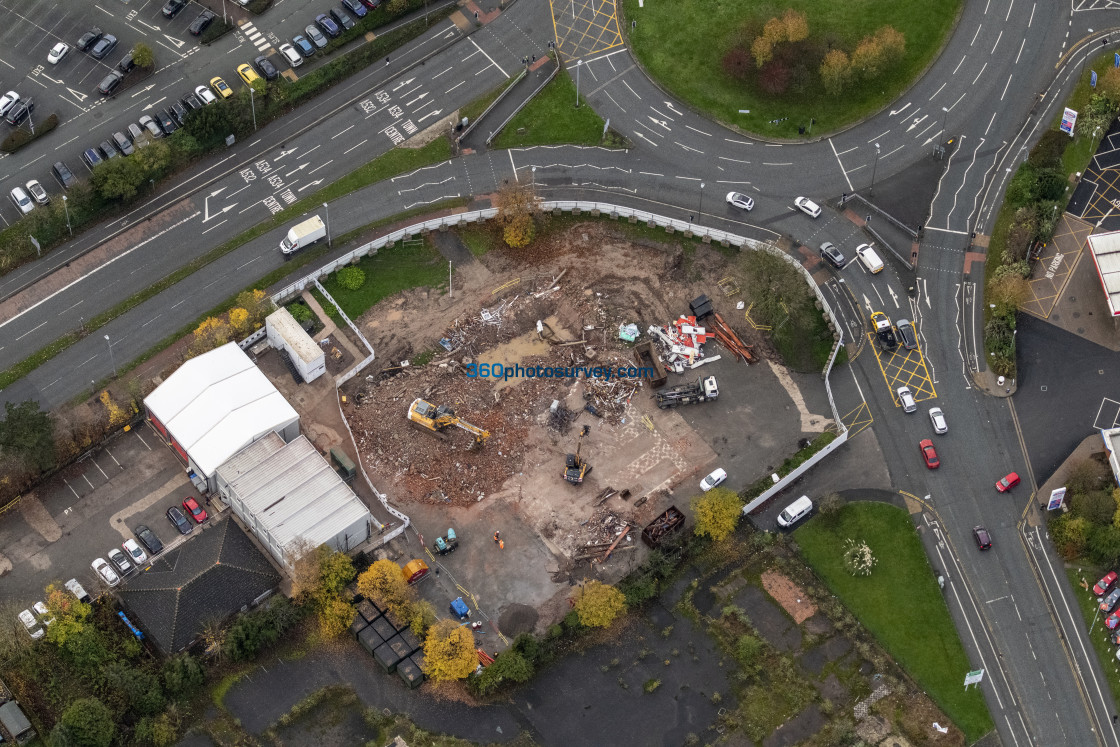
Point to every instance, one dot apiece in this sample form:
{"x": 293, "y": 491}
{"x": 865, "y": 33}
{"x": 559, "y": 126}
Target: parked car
{"x": 179, "y": 521}
{"x": 200, "y": 24}
{"x": 807, "y": 206}
{"x": 139, "y": 136}
{"x": 371, "y": 4}
{"x": 266, "y": 68}
{"x": 1108, "y": 602}
{"x": 110, "y": 82}
{"x": 124, "y": 145}
{"x": 166, "y": 123}
{"x": 133, "y": 551}
{"x": 1008, "y": 482}
{"x": 327, "y": 24}
{"x": 355, "y": 7}
{"x": 43, "y": 613}
{"x": 103, "y": 47}
{"x": 305, "y": 47}
{"x": 938, "y": 419}
{"x": 869, "y": 258}
{"x": 148, "y": 538}
{"x": 929, "y": 453}
{"x": 120, "y": 562}
{"x": 1105, "y": 583}
{"x": 197, "y": 512}
{"x": 906, "y": 334}
{"x": 127, "y": 62}
{"x": 740, "y": 200}
{"x": 102, "y": 568}
{"x": 248, "y": 74}
{"x": 21, "y": 200}
{"x": 1112, "y": 621}
{"x": 291, "y": 55}
{"x": 108, "y": 150}
{"x": 64, "y": 175}
{"x": 78, "y": 591}
{"x": 179, "y": 112}
{"x": 91, "y": 157}
{"x": 88, "y": 39}
{"x": 316, "y": 36}
{"x": 20, "y": 112}
{"x": 713, "y": 480}
{"x": 220, "y": 87}
{"x": 342, "y": 19}
{"x": 7, "y": 101}
{"x": 152, "y": 127}
{"x": 35, "y": 189}
{"x": 205, "y": 95}
{"x": 834, "y": 256}
{"x": 31, "y": 625}
{"x": 58, "y": 51}
{"x": 172, "y": 8}
{"x": 983, "y": 539}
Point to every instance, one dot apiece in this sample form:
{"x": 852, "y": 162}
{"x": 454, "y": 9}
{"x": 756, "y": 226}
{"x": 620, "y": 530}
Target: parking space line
{"x": 75, "y": 492}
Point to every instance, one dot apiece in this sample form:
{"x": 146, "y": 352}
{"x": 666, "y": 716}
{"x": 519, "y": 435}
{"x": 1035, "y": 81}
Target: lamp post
{"x": 874, "y": 169}
{"x": 67, "y": 208}
{"x": 327, "y": 208}
{"x": 111, "y": 359}
{"x": 578, "y": 64}
{"x": 534, "y": 181}
{"x": 944, "y": 116}
{"x": 700, "y": 207}
{"x": 253, "y": 103}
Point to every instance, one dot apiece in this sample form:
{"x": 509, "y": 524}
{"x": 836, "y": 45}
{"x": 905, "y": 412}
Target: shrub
{"x": 351, "y": 278}
{"x": 1096, "y": 506}
{"x": 21, "y": 137}
{"x": 1084, "y": 476}
{"x": 717, "y": 512}
{"x": 1104, "y": 544}
{"x": 217, "y": 29}
{"x": 597, "y": 604}
{"x": 748, "y": 652}
{"x": 737, "y": 63}
{"x": 143, "y": 55}
{"x": 510, "y": 666}
{"x": 1051, "y": 184}
{"x": 259, "y": 628}
{"x": 1047, "y": 152}
{"x": 830, "y": 507}
{"x": 1023, "y": 188}
{"x": 86, "y": 722}
{"x": 528, "y": 646}
{"x": 1070, "y": 535}
{"x": 300, "y": 312}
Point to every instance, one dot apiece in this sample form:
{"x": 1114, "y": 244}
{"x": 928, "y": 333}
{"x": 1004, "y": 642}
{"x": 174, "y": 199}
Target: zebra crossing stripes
{"x": 259, "y": 40}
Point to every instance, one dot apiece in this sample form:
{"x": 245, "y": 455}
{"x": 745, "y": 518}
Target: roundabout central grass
{"x": 900, "y": 603}
{"x": 682, "y": 44}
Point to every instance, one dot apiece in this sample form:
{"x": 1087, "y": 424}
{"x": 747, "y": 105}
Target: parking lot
{"x": 55, "y": 532}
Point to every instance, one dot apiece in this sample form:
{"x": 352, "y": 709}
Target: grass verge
{"x": 552, "y": 118}
{"x": 391, "y": 163}
{"x": 682, "y": 46}
{"x": 415, "y": 264}
{"x": 900, "y": 603}
{"x": 1106, "y": 651}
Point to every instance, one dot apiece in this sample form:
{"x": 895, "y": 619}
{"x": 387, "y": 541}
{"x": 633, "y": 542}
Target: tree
{"x": 892, "y": 43}
{"x": 597, "y": 604}
{"x": 256, "y": 302}
{"x": 520, "y": 232}
{"x": 1096, "y": 506}
{"x": 510, "y": 666}
{"x": 335, "y": 616}
{"x": 836, "y": 71}
{"x": 211, "y": 123}
{"x": 140, "y": 688}
{"x": 384, "y": 583}
{"x": 1084, "y": 475}
{"x": 737, "y": 62}
{"x": 86, "y": 722}
{"x": 119, "y": 178}
{"x": 143, "y": 55}
{"x": 515, "y": 203}
{"x": 182, "y": 675}
{"x": 1008, "y": 293}
{"x": 1047, "y": 152}
{"x": 830, "y": 507}
{"x": 795, "y": 26}
{"x": 449, "y": 651}
{"x": 717, "y": 512}
{"x": 211, "y": 333}
{"x": 239, "y": 321}
{"x": 27, "y": 432}
{"x": 791, "y": 27}
{"x": 868, "y": 58}
{"x": 70, "y": 615}
{"x": 774, "y": 77}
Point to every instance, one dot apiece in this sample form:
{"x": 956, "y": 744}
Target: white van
{"x": 869, "y": 258}
{"x": 795, "y": 512}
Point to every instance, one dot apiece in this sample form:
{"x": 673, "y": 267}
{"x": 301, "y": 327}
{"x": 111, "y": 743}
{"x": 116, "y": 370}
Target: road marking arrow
{"x": 1103, "y": 217}
{"x": 312, "y": 184}
{"x": 436, "y": 113}
{"x": 867, "y": 302}
{"x": 149, "y": 106}
{"x": 177, "y": 42}
{"x": 899, "y": 111}
{"x": 402, "y": 84}
{"x": 77, "y": 94}
{"x": 669, "y": 104}
{"x": 917, "y": 122}
{"x": 421, "y": 96}
{"x": 894, "y": 297}
{"x": 301, "y": 167}
{"x": 153, "y": 28}
{"x": 659, "y": 122}
{"x": 142, "y": 90}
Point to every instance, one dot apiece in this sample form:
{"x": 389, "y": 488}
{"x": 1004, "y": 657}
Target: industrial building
{"x": 285, "y": 334}
{"x": 213, "y": 406}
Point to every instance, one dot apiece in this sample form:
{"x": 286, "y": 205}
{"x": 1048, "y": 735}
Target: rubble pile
{"x": 681, "y": 342}
{"x": 594, "y": 536}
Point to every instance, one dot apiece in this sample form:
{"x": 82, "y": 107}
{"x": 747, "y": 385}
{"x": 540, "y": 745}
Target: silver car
{"x": 105, "y": 571}
{"x": 31, "y": 624}
{"x": 938, "y": 419}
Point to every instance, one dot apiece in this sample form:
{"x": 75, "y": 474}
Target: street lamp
{"x": 700, "y": 208}
{"x": 578, "y": 64}
{"x": 944, "y": 116}
{"x": 111, "y": 359}
{"x": 253, "y": 103}
{"x": 534, "y": 181}
{"x": 874, "y": 169}
{"x": 67, "y": 208}
{"x": 325, "y": 207}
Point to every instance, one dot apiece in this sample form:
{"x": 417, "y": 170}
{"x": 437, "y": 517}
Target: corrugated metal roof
{"x": 215, "y": 404}
{"x": 1105, "y": 248}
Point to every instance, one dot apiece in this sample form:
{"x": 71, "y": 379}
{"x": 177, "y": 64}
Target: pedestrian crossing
{"x": 259, "y": 40}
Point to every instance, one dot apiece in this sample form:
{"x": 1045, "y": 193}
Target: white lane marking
{"x": 842, "y": 171}
{"x": 480, "y": 49}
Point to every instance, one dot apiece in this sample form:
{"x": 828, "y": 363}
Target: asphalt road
{"x": 1042, "y": 685}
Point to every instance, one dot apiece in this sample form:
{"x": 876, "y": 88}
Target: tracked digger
{"x": 575, "y": 466}
{"x": 432, "y": 419}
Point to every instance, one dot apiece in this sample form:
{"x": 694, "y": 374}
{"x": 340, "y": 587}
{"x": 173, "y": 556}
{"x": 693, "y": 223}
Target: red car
{"x": 1008, "y": 482}
{"x": 1105, "y": 584}
{"x": 1112, "y": 621}
{"x": 190, "y": 505}
{"x": 929, "y": 454}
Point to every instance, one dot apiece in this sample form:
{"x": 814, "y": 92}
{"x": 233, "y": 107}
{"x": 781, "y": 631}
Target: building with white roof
{"x": 1105, "y": 248}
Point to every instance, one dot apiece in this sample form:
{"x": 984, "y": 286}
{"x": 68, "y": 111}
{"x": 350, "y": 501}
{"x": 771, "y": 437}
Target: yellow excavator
{"x": 575, "y": 466}
{"x": 434, "y": 420}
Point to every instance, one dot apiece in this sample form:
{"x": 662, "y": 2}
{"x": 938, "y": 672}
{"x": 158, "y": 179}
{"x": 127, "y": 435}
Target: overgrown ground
{"x": 552, "y": 118}
{"x": 406, "y": 264}
{"x": 900, "y": 602}
{"x": 681, "y": 44}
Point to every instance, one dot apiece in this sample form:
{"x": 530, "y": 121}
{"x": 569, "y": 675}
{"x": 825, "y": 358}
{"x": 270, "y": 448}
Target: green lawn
{"x": 1077, "y": 155}
{"x": 416, "y": 264}
{"x": 899, "y": 603}
{"x": 1087, "y": 602}
{"x": 552, "y": 118}
{"x": 681, "y": 44}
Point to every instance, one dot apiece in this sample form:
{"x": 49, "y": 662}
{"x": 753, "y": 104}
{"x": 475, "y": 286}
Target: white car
{"x": 151, "y": 125}
{"x": 807, "y": 206}
{"x": 102, "y": 568}
{"x": 78, "y": 591}
{"x": 938, "y": 419}
{"x": 205, "y": 95}
{"x": 740, "y": 200}
{"x": 20, "y": 199}
{"x": 132, "y": 550}
{"x": 291, "y": 55}
{"x": 7, "y": 101}
{"x": 712, "y": 480}
{"x": 869, "y": 258}
{"x": 58, "y": 51}
{"x": 43, "y": 613}
{"x": 906, "y": 399}
{"x": 37, "y": 192}
{"x": 31, "y": 624}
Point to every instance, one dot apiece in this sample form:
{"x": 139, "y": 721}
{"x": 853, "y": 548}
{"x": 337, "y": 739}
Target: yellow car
{"x": 247, "y": 74}
{"x": 221, "y": 88}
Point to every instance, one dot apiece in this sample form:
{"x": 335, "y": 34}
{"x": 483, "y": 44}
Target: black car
{"x": 166, "y": 123}
{"x": 906, "y": 334}
{"x": 327, "y": 24}
{"x": 833, "y": 255}
{"x": 355, "y": 7}
{"x": 343, "y": 20}
{"x": 200, "y": 24}
{"x": 20, "y": 112}
{"x": 266, "y": 68}
{"x": 110, "y": 82}
{"x": 179, "y": 112}
{"x": 172, "y": 8}
{"x": 103, "y": 47}
{"x": 191, "y": 102}
{"x": 64, "y": 175}
{"x": 108, "y": 150}
{"x": 89, "y": 38}
{"x": 126, "y": 64}
{"x": 983, "y": 539}
{"x": 91, "y": 157}
{"x": 149, "y": 540}
{"x": 176, "y": 517}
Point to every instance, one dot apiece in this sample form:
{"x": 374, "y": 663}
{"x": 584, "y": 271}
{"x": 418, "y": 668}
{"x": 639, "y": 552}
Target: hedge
{"x": 22, "y": 137}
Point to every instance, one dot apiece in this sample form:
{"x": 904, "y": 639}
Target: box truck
{"x": 303, "y": 234}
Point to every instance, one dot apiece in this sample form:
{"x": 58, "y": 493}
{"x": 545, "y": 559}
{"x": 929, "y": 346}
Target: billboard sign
{"x": 1069, "y": 119}
{"x": 1057, "y": 498}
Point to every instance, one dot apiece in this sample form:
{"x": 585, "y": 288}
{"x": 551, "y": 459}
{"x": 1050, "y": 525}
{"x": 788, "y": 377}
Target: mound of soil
{"x": 517, "y": 619}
